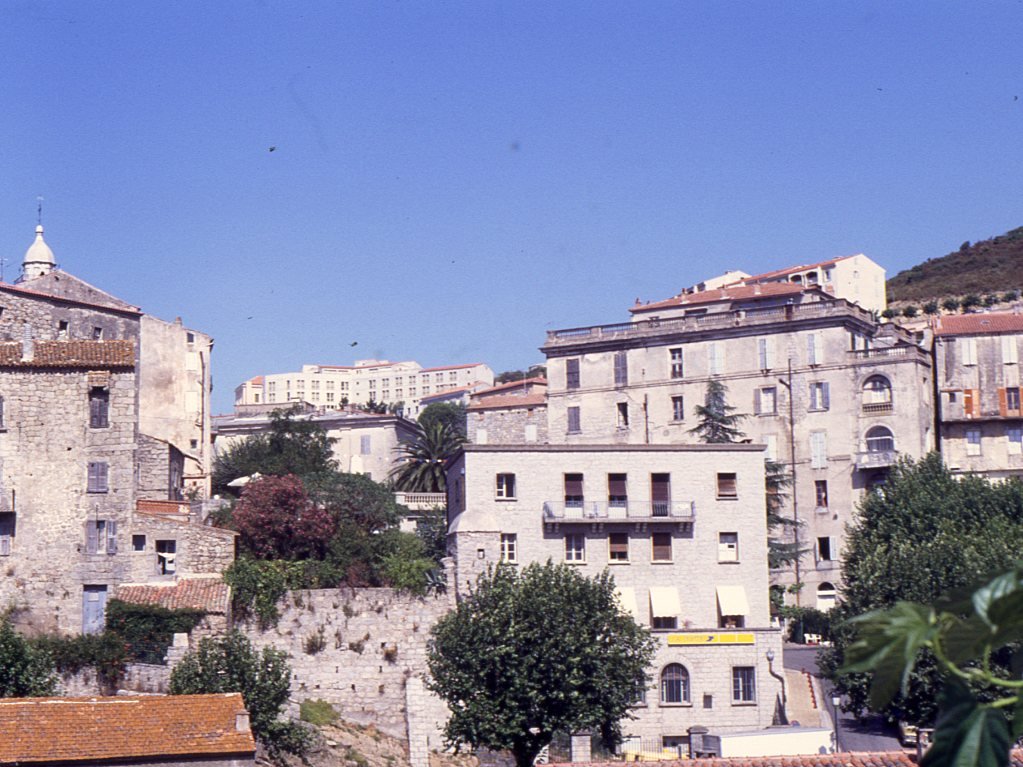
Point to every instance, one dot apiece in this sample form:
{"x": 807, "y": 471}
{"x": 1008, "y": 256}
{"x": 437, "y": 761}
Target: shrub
{"x": 888, "y": 314}
{"x": 909, "y": 312}
{"x": 1009, "y": 296}
{"x": 25, "y": 668}
{"x": 971, "y": 301}
{"x": 317, "y": 712}
{"x": 148, "y": 630}
{"x": 990, "y": 299}
{"x": 950, "y": 304}
{"x": 107, "y": 653}
{"x": 314, "y": 642}
{"x": 931, "y": 307}
{"x": 257, "y": 586}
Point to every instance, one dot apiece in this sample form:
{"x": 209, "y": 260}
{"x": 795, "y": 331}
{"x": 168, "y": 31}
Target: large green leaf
{"x": 967, "y": 734}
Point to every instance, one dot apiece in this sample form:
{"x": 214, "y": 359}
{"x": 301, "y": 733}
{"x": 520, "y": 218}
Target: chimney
{"x": 241, "y": 721}
{"x": 27, "y": 344}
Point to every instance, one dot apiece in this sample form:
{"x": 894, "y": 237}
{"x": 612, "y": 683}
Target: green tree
{"x": 717, "y": 421}
{"x": 278, "y": 520}
{"x": 527, "y": 655}
{"x": 780, "y": 552}
{"x": 889, "y": 313}
{"x": 931, "y": 307}
{"x": 231, "y": 664}
{"x": 25, "y": 670}
{"x": 924, "y": 533}
{"x": 423, "y": 462}
{"x": 450, "y": 414}
{"x": 910, "y": 312}
{"x": 533, "y": 371}
{"x": 289, "y": 446}
{"x": 950, "y": 304}
{"x": 973, "y": 635}
{"x": 971, "y": 301}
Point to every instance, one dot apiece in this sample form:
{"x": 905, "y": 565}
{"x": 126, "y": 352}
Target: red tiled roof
{"x": 978, "y": 324}
{"x": 89, "y": 730}
{"x": 537, "y": 380}
{"x": 729, "y": 293}
{"x": 857, "y": 759}
{"x": 73, "y": 354}
{"x": 209, "y": 594}
{"x": 782, "y": 272}
{"x": 257, "y": 381}
{"x": 510, "y": 400}
{"x": 162, "y": 507}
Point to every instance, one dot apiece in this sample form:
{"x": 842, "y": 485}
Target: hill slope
{"x": 983, "y": 267}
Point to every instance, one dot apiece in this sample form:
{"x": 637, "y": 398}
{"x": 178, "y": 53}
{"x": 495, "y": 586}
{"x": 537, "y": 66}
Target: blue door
{"x": 94, "y": 605}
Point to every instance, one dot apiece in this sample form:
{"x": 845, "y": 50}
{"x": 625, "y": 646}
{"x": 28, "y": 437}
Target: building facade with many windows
{"x": 834, "y": 395}
{"x": 683, "y": 531}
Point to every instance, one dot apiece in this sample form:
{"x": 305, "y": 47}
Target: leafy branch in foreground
{"x": 970, "y": 634}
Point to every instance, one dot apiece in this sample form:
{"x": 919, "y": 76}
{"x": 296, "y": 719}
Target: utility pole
{"x": 792, "y": 459}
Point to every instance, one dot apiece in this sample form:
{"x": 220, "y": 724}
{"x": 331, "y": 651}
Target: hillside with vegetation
{"x": 987, "y": 267}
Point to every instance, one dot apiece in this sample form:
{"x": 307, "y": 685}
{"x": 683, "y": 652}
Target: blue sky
{"x": 449, "y": 180}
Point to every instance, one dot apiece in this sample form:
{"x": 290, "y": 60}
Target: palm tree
{"x": 423, "y": 464}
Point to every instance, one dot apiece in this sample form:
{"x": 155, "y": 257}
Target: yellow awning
{"x": 627, "y": 600}
{"x": 664, "y": 602}
{"x": 732, "y": 600}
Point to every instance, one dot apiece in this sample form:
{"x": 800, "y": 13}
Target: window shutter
{"x": 756, "y": 402}
{"x": 826, "y": 396}
{"x": 93, "y": 480}
{"x": 811, "y": 350}
{"x": 818, "y": 450}
{"x": 1003, "y": 405}
{"x": 111, "y": 537}
{"x": 969, "y": 351}
{"x": 1010, "y": 353}
{"x": 91, "y": 537}
{"x": 975, "y": 407}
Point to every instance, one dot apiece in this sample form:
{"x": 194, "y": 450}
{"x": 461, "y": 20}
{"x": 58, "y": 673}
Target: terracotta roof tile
{"x": 728, "y": 293}
{"x": 978, "y": 324}
{"x": 532, "y": 399}
{"x": 782, "y": 272}
{"x": 162, "y": 507}
{"x": 209, "y": 594}
{"x": 73, "y": 354}
{"x": 89, "y": 730}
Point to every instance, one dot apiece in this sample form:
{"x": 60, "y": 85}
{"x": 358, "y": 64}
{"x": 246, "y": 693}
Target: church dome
{"x": 39, "y": 258}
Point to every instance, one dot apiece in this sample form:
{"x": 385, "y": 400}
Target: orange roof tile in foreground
{"x": 70, "y": 354}
{"x": 782, "y": 272}
{"x": 729, "y": 293}
{"x": 978, "y": 324}
{"x": 533, "y": 399}
{"x": 209, "y": 594}
{"x": 89, "y": 730}
{"x": 856, "y": 759}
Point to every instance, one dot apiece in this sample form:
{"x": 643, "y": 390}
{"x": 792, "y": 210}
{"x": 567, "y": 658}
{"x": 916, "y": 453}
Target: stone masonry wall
{"x": 358, "y": 649}
{"x": 507, "y": 426}
{"x": 44, "y": 314}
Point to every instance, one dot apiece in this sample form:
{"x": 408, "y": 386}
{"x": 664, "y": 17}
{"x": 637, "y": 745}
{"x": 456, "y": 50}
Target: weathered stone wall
{"x": 508, "y": 426}
{"x": 45, "y": 313}
{"x": 358, "y": 649}
{"x": 45, "y": 450}
{"x": 154, "y": 470}
{"x": 200, "y": 549}
{"x": 138, "y": 678}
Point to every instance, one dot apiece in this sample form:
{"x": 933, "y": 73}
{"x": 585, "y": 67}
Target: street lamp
{"x": 836, "y": 701}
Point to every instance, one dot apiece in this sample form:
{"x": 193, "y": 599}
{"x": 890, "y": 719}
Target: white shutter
{"x": 766, "y": 353}
{"x": 815, "y": 349}
{"x": 771, "y": 441}
{"x": 756, "y": 402}
{"x": 969, "y": 351}
{"x": 714, "y": 358}
{"x": 818, "y": 450}
{"x": 1010, "y": 352}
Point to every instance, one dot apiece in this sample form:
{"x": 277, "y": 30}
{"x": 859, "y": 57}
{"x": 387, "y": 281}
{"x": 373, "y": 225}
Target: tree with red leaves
{"x": 278, "y": 520}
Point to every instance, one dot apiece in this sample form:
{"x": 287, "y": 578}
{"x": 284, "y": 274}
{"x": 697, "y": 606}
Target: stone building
{"x": 682, "y": 529}
{"x": 511, "y": 413}
{"x": 980, "y": 423}
{"x": 73, "y": 455}
{"x": 832, "y": 393}
{"x": 331, "y": 386}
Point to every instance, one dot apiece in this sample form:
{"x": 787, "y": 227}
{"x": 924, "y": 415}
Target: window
{"x": 621, "y": 369}
{"x": 814, "y": 349}
{"x": 728, "y": 547}
{"x": 574, "y": 491}
{"x": 660, "y": 494}
{"x": 660, "y": 547}
{"x": 877, "y": 394}
{"x": 97, "y": 482}
{"x": 727, "y": 485}
{"x": 765, "y": 352}
{"x": 99, "y": 408}
{"x": 166, "y": 553}
{"x": 1015, "y": 437}
{"x": 765, "y": 401}
{"x": 62, "y": 329}
{"x": 715, "y": 359}
{"x": 138, "y": 543}
{"x": 677, "y": 366}
{"x": 674, "y": 684}
{"x": 744, "y": 684}
{"x": 618, "y": 547}
{"x": 622, "y": 410}
{"x": 575, "y": 547}
{"x": 678, "y": 408}
{"x": 97, "y": 334}
{"x": 1010, "y": 352}
{"x": 827, "y": 595}
{"x": 973, "y": 441}
{"x": 880, "y": 440}
{"x": 190, "y": 338}
{"x": 3, "y": 423}
{"x": 820, "y": 395}
{"x": 365, "y": 444}
{"x": 820, "y": 487}
{"x": 826, "y": 549}
{"x": 101, "y": 536}
{"x": 969, "y": 350}
{"x": 971, "y": 403}
{"x": 8, "y": 522}
{"x": 617, "y": 495}
{"x": 1012, "y": 398}
{"x": 509, "y": 543}
{"x": 572, "y": 373}
{"x": 573, "y": 420}
{"x": 505, "y": 486}
{"x": 818, "y": 450}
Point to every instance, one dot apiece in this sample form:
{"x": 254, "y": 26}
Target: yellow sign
{"x": 716, "y": 637}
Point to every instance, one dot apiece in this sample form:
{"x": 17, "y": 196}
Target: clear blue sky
{"x": 452, "y": 179}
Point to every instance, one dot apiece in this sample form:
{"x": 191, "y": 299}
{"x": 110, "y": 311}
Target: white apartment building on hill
{"x": 330, "y": 386}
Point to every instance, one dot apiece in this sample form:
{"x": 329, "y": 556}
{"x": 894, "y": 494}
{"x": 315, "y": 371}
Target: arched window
{"x": 826, "y": 596}
{"x": 877, "y": 393}
{"x": 674, "y": 684}
{"x": 880, "y": 440}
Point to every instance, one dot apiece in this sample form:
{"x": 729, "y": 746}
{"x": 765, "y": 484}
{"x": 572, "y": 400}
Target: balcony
{"x": 715, "y": 321}
{"x": 638, "y": 511}
{"x": 874, "y": 408}
{"x": 421, "y": 501}
{"x": 878, "y": 459}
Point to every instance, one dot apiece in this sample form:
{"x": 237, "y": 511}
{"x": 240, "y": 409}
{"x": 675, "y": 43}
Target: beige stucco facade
{"x": 682, "y": 530}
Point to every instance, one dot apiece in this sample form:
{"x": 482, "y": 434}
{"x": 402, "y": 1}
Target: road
{"x": 871, "y": 734}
